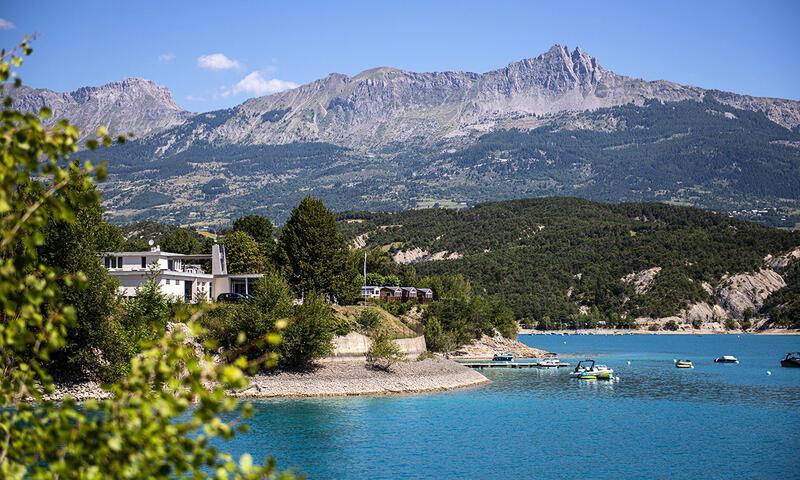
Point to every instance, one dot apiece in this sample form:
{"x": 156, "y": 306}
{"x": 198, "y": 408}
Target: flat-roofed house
{"x": 179, "y": 276}
{"x": 371, "y": 291}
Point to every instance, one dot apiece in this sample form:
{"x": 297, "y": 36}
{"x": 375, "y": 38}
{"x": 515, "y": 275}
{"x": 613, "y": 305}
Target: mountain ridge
{"x": 130, "y": 106}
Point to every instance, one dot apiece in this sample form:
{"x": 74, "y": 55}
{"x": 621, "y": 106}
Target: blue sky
{"x": 745, "y": 47}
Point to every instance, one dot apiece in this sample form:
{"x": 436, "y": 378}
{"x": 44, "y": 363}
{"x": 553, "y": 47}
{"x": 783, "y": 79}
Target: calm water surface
{"x": 714, "y": 421}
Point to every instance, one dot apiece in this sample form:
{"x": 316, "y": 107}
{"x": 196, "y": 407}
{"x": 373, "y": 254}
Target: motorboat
{"x": 726, "y": 359}
{"x": 684, "y": 364}
{"x": 792, "y": 360}
{"x": 503, "y": 357}
{"x": 553, "y": 362}
{"x": 588, "y": 370}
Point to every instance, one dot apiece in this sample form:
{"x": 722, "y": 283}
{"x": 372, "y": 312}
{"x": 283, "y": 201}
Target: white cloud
{"x": 254, "y": 83}
{"x": 217, "y": 61}
{"x": 166, "y": 57}
{"x": 6, "y": 24}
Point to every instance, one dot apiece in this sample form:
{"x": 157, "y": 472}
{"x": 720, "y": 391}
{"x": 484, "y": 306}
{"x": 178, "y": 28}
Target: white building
{"x": 179, "y": 276}
{"x": 371, "y": 292}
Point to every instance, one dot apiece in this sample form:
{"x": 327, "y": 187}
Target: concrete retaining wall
{"x": 354, "y": 346}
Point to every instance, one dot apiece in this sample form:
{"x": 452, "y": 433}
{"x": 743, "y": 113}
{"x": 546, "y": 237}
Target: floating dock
{"x": 482, "y": 365}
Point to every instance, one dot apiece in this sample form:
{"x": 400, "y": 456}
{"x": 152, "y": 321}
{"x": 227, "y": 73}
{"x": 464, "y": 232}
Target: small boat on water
{"x": 726, "y": 359}
{"x": 503, "y": 357}
{"x": 587, "y": 370}
{"x": 553, "y": 362}
{"x": 684, "y": 364}
{"x": 792, "y": 360}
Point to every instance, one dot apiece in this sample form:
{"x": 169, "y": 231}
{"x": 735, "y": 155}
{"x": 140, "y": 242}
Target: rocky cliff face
{"x": 385, "y": 106}
{"x": 133, "y": 105}
{"x": 734, "y": 295}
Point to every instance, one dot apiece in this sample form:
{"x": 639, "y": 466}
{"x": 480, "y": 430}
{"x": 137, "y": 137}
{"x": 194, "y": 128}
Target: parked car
{"x": 234, "y": 297}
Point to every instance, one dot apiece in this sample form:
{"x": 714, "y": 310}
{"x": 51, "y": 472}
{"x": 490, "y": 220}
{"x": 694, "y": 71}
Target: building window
{"x": 167, "y": 281}
{"x": 113, "y": 262}
{"x": 144, "y": 262}
{"x": 170, "y": 264}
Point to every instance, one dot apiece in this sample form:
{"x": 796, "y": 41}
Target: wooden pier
{"x": 482, "y": 365}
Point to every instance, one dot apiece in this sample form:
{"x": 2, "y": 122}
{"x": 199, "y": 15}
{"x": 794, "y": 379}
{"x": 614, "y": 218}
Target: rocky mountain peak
{"x": 133, "y": 105}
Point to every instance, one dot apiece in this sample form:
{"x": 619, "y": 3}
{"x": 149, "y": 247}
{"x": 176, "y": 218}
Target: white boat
{"x": 726, "y": 359}
{"x": 551, "y": 363}
{"x": 587, "y": 370}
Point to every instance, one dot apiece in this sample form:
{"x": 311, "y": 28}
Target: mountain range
{"x": 556, "y": 124}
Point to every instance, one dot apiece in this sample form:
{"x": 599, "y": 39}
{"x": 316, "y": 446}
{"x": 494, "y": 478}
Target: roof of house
{"x": 158, "y": 253}
{"x": 425, "y": 290}
{"x": 408, "y": 289}
{"x": 394, "y": 289}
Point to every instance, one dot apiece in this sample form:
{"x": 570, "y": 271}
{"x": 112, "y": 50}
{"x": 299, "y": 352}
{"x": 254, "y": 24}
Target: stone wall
{"x": 354, "y": 347}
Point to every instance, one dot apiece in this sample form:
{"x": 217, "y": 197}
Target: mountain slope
{"x": 385, "y": 106}
{"x": 133, "y": 105}
{"x": 556, "y": 124}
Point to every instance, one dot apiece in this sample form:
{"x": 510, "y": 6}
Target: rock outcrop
{"x": 487, "y": 346}
{"x": 641, "y": 280}
{"x": 747, "y": 291}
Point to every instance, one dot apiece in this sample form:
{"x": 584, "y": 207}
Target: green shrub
{"x": 653, "y": 327}
{"x": 309, "y": 334}
{"x": 368, "y": 319}
{"x": 671, "y": 325}
{"x": 730, "y": 324}
{"x": 383, "y": 352}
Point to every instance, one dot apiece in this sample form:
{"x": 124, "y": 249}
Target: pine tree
{"x": 314, "y": 254}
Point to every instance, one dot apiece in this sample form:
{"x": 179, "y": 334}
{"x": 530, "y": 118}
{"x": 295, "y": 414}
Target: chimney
{"x": 218, "y": 261}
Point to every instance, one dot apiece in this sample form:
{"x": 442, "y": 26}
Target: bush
{"x": 368, "y": 319}
{"x": 730, "y": 324}
{"x": 384, "y": 351}
{"x": 436, "y": 338}
{"x": 244, "y": 328}
{"x": 697, "y": 323}
{"x": 653, "y": 327}
{"x": 671, "y": 325}
{"x": 309, "y": 335}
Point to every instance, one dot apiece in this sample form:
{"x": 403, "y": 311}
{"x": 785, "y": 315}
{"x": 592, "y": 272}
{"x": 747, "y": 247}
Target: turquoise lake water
{"x": 713, "y": 421}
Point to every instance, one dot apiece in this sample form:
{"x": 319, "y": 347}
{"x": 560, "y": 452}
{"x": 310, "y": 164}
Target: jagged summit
{"x": 133, "y": 105}
{"x": 385, "y": 105}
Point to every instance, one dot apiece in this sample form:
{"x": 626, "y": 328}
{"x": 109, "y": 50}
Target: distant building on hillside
{"x": 424, "y": 295}
{"x": 392, "y": 294}
{"x": 371, "y": 291}
{"x": 403, "y": 294}
{"x": 181, "y": 277}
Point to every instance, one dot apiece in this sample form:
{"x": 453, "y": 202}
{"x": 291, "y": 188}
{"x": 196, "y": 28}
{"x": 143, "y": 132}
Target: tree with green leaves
{"x": 260, "y": 228}
{"x": 314, "y": 254}
{"x": 383, "y": 351}
{"x": 244, "y": 254}
{"x": 160, "y": 420}
{"x": 180, "y": 240}
{"x": 308, "y": 335}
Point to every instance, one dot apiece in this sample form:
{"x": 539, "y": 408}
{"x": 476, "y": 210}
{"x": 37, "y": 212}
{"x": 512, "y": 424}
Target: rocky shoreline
{"x": 356, "y": 378}
{"x": 331, "y": 379}
{"x": 701, "y": 331}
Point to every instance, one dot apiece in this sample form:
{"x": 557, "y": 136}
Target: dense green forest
{"x": 548, "y": 257}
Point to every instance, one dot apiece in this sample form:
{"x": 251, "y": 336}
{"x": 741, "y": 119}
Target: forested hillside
{"x": 554, "y": 258}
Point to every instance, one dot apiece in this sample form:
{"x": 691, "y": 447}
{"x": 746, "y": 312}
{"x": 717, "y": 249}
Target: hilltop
{"x": 566, "y": 261}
